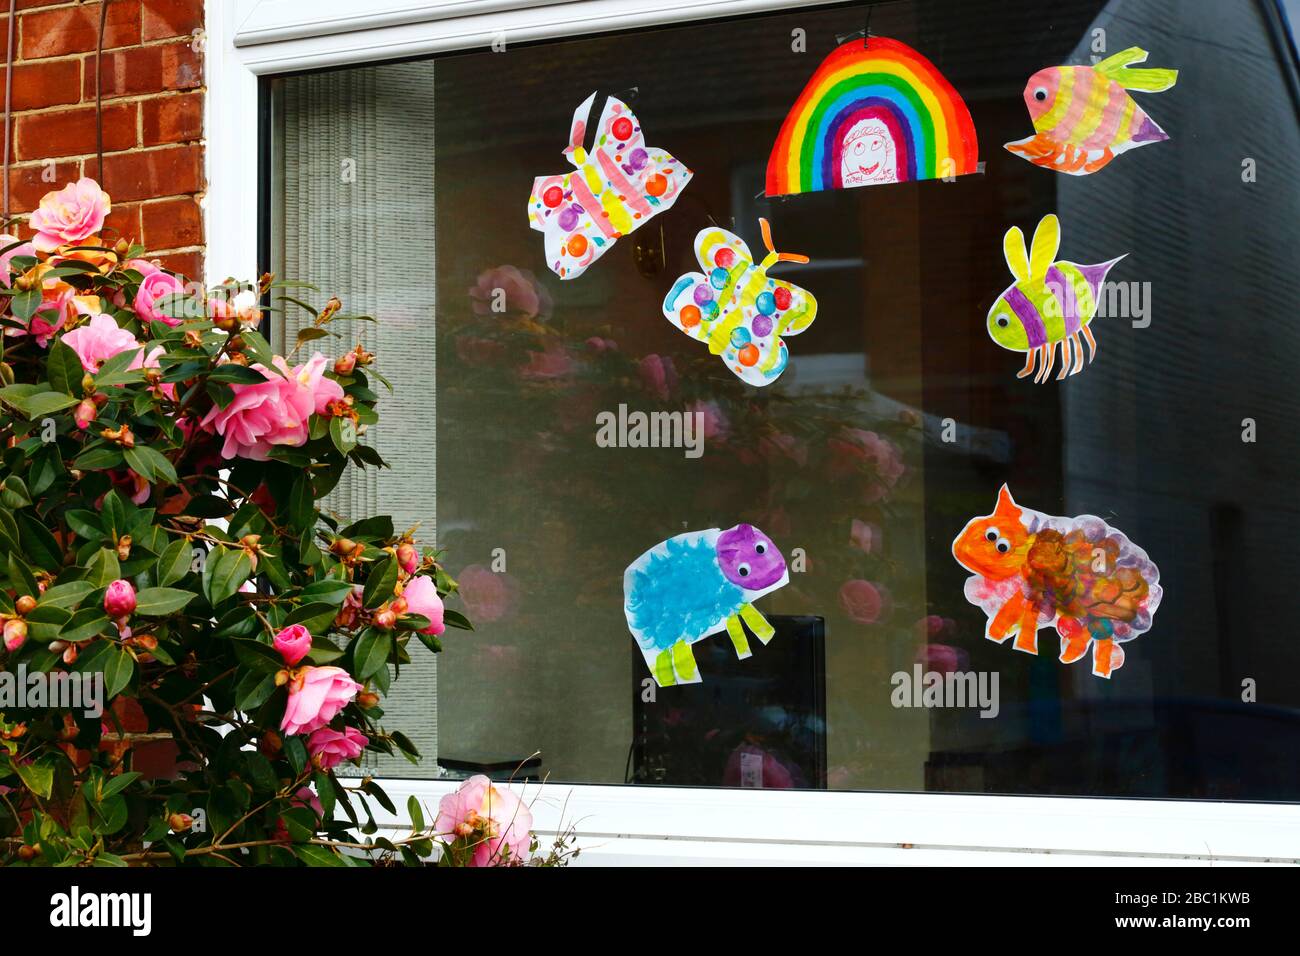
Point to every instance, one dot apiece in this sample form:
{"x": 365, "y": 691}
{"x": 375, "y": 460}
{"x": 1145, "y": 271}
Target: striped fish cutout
{"x": 1084, "y": 117}
{"x": 1049, "y": 303}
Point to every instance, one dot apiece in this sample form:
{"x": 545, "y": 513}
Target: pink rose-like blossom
{"x": 99, "y": 340}
{"x": 316, "y": 696}
{"x": 293, "y": 643}
{"x": 507, "y": 290}
{"x": 67, "y": 217}
{"x": 15, "y": 634}
{"x": 154, "y": 286}
{"x": 274, "y": 412}
{"x": 330, "y": 747}
{"x": 119, "y": 599}
{"x": 306, "y": 797}
{"x": 492, "y": 821}
{"x": 421, "y": 596}
{"x": 862, "y": 601}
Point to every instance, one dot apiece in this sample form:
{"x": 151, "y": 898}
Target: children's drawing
{"x": 1083, "y": 116}
{"x": 876, "y": 111}
{"x": 1079, "y": 575}
{"x": 737, "y": 309}
{"x": 616, "y": 188}
{"x": 1050, "y": 303}
{"x": 697, "y": 584}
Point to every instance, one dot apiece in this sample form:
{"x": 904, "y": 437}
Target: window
{"x": 896, "y": 423}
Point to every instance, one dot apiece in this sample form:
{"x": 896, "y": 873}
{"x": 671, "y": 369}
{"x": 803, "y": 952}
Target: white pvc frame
{"x": 248, "y": 39}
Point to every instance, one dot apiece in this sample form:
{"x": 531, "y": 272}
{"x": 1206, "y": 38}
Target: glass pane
{"x": 897, "y": 422}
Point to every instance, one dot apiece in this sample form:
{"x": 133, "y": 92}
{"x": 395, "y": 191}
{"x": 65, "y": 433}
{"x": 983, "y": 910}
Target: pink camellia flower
{"x": 329, "y": 748}
{"x": 98, "y": 341}
{"x": 306, "y": 797}
{"x": 548, "y": 365}
{"x": 659, "y": 376}
{"x": 421, "y": 596}
{"x": 67, "y": 217}
{"x": 273, "y": 412}
{"x": 119, "y": 599}
{"x": 25, "y": 249}
{"x": 316, "y": 695}
{"x": 943, "y": 658}
{"x": 862, "y": 601}
{"x": 293, "y": 643}
{"x": 507, "y": 290}
{"x": 15, "y": 634}
{"x": 492, "y": 821}
{"x": 154, "y": 286}
{"x": 598, "y": 344}
{"x": 854, "y": 449}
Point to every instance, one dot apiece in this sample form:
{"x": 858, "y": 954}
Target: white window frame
{"x": 248, "y": 39}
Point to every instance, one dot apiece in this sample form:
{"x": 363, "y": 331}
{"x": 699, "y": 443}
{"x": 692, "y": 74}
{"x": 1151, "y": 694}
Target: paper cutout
{"x": 876, "y": 111}
{"x": 695, "y": 585}
{"x": 1078, "y": 575}
{"x": 1049, "y": 303}
{"x": 617, "y": 188}
{"x": 737, "y": 309}
{"x": 1083, "y": 118}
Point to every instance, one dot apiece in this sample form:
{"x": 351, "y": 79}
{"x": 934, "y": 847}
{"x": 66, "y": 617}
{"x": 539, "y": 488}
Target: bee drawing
{"x": 735, "y": 307}
{"x": 1050, "y": 303}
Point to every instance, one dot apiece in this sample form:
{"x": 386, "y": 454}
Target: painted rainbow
{"x": 874, "y": 112}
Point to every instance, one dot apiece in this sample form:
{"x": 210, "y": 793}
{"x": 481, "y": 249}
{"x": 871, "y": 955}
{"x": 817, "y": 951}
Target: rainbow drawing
{"x": 876, "y": 111}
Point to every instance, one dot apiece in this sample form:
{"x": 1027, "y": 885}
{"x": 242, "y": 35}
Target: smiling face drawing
{"x": 868, "y": 155}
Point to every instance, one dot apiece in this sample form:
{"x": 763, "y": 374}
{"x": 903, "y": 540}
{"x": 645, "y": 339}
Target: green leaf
{"x": 87, "y": 623}
{"x": 46, "y": 403}
{"x": 24, "y": 305}
{"x": 13, "y": 493}
{"x": 226, "y": 569}
{"x": 370, "y": 652}
{"x": 66, "y": 595}
{"x": 330, "y": 591}
{"x": 456, "y": 619}
{"x": 316, "y": 617}
{"x": 380, "y": 583}
{"x": 41, "y": 545}
{"x": 103, "y": 568}
{"x": 302, "y": 504}
{"x": 415, "y": 813}
{"x": 236, "y": 374}
{"x": 101, "y": 458}
{"x": 64, "y": 368}
{"x": 21, "y": 577}
{"x": 37, "y": 777}
{"x": 300, "y": 822}
{"x": 175, "y": 562}
{"x": 84, "y": 524}
{"x": 253, "y": 690}
{"x": 117, "y": 665}
{"x": 157, "y": 602}
{"x": 343, "y": 433}
{"x": 255, "y": 655}
{"x": 314, "y": 855}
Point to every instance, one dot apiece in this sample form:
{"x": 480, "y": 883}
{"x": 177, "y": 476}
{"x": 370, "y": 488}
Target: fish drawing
{"x": 1084, "y": 117}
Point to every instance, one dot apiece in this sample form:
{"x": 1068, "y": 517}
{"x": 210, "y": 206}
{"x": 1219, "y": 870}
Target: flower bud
{"x": 119, "y": 600}
{"x": 345, "y": 364}
{"x": 15, "y": 634}
{"x": 27, "y": 853}
{"x": 180, "y": 822}
{"x": 124, "y": 547}
{"x": 88, "y": 384}
{"x": 385, "y": 618}
{"x": 25, "y": 604}
{"x": 367, "y": 699}
{"x": 85, "y": 413}
{"x": 342, "y": 545}
{"x": 408, "y": 556}
{"x": 271, "y": 744}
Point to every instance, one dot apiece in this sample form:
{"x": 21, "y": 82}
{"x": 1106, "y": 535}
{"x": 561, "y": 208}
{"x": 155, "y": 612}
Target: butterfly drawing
{"x": 614, "y": 189}
{"x": 737, "y": 309}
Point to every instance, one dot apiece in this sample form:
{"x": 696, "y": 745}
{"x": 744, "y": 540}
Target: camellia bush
{"x": 170, "y": 578}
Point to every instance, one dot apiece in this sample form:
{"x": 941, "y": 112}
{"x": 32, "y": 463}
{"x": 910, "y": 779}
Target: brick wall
{"x": 151, "y": 82}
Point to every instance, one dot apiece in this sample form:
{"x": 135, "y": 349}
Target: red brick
{"x": 188, "y": 264}
{"x": 172, "y": 224}
{"x": 171, "y": 171}
{"x": 146, "y": 69}
{"x": 27, "y": 185}
{"x": 75, "y": 29}
{"x": 72, "y": 132}
{"x": 123, "y": 222}
{"x": 29, "y": 4}
{"x": 172, "y": 119}
{"x": 37, "y": 85}
{"x": 172, "y": 18}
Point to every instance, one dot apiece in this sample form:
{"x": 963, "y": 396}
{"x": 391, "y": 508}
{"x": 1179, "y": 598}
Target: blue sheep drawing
{"x": 695, "y": 585}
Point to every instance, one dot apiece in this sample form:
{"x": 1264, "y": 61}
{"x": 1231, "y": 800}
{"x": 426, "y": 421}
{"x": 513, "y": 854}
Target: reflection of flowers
{"x": 475, "y": 350}
{"x": 716, "y": 424}
{"x": 486, "y": 593}
{"x": 865, "y": 536}
{"x": 553, "y": 363}
{"x": 659, "y": 375}
{"x": 855, "y": 448}
{"x": 862, "y": 601}
{"x": 598, "y": 344}
{"x": 943, "y": 658}
{"x": 507, "y": 290}
{"x": 780, "y": 445}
